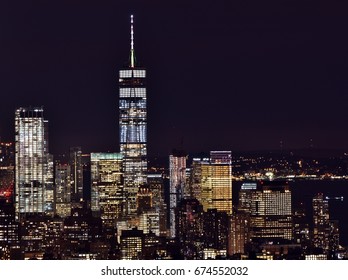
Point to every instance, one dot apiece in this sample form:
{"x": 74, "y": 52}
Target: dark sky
{"x": 238, "y": 75}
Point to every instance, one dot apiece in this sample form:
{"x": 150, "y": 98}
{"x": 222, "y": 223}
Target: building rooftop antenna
{"x": 132, "y": 55}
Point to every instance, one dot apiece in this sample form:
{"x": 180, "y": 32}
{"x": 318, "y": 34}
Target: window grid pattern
{"x": 107, "y": 187}
{"x": 133, "y": 133}
{"x": 30, "y": 161}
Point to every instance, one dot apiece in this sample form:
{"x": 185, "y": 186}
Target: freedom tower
{"x": 132, "y": 128}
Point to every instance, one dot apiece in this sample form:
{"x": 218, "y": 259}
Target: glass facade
{"x": 133, "y": 128}
{"x": 211, "y": 181}
{"x": 63, "y": 190}
{"x": 31, "y": 160}
{"x": 133, "y": 132}
{"x": 107, "y": 187}
{"x": 221, "y": 180}
{"x": 271, "y": 212}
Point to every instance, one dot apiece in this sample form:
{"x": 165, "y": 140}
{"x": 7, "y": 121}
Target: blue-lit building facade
{"x": 133, "y": 128}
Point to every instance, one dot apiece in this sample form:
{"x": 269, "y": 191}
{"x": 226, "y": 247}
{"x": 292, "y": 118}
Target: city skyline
{"x": 120, "y": 204}
{"x": 276, "y": 77}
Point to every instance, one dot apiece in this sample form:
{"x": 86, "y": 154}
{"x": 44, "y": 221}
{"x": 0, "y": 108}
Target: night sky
{"x": 239, "y": 75}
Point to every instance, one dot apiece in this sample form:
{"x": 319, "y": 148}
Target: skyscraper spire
{"x": 132, "y": 56}
{"x": 133, "y": 130}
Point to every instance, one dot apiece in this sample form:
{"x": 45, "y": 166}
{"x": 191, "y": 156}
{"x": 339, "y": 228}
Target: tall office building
{"x": 107, "y": 187}
{"x": 149, "y": 217}
{"x": 211, "y": 181}
{"x": 321, "y": 222}
{"x": 63, "y": 189}
{"x": 198, "y": 177}
{"x": 246, "y": 196}
{"x": 50, "y": 205}
{"x": 31, "y": 154}
{"x": 271, "y": 212}
{"x": 177, "y": 174}
{"x": 189, "y": 228}
{"x": 221, "y": 180}
{"x": 240, "y": 222}
{"x": 156, "y": 184}
{"x": 301, "y": 227}
{"x": 133, "y": 128}
{"x": 76, "y": 172}
{"x": 239, "y": 232}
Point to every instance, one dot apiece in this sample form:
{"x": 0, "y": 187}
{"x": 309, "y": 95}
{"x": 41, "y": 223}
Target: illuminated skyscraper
{"x": 149, "y": 217}
{"x": 106, "y": 187}
{"x": 50, "y": 207}
{"x": 271, "y": 212}
{"x": 198, "y": 177}
{"x": 31, "y": 160}
{"x": 177, "y": 174}
{"x": 76, "y": 174}
{"x": 240, "y": 222}
{"x": 301, "y": 227}
{"x": 321, "y": 222}
{"x": 221, "y": 180}
{"x": 245, "y": 197}
{"x": 133, "y": 128}
{"x": 63, "y": 189}
{"x": 156, "y": 184}
{"x": 239, "y": 232}
{"x": 211, "y": 181}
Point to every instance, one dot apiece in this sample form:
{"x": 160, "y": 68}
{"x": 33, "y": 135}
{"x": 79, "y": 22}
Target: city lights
{"x": 129, "y": 205}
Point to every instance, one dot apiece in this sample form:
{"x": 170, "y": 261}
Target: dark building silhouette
{"x": 9, "y": 232}
{"x": 189, "y": 228}
{"x": 215, "y": 230}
